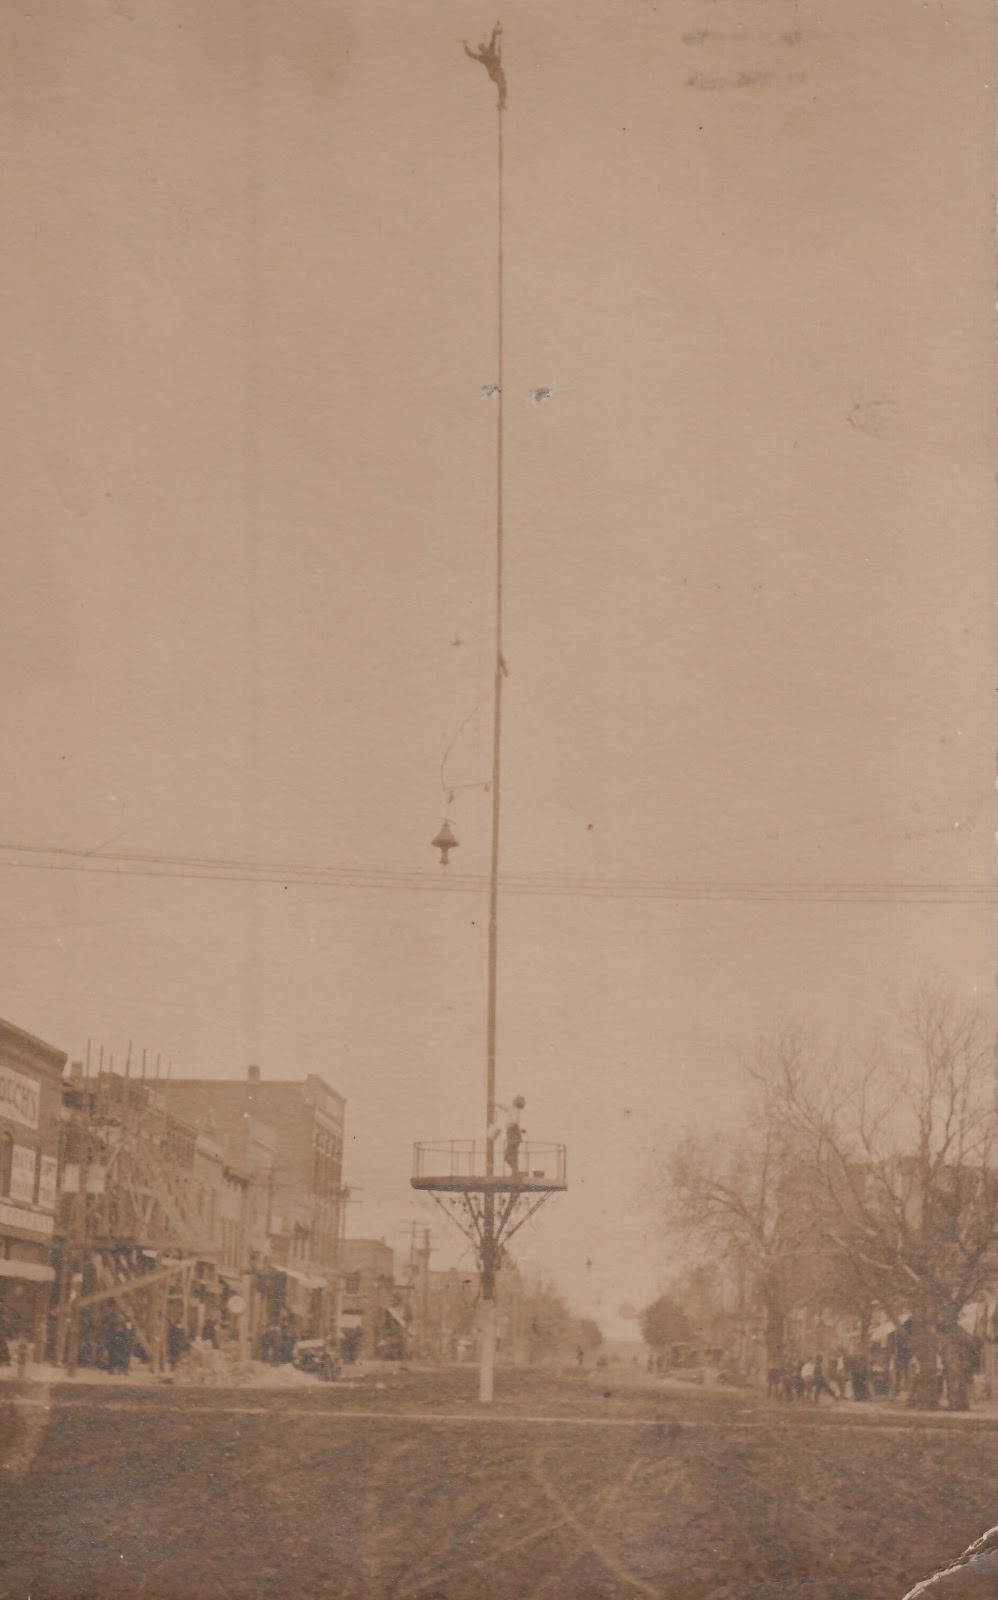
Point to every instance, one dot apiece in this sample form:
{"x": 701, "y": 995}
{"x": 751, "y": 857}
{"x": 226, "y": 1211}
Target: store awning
{"x": 307, "y": 1280}
{"x": 35, "y": 1271}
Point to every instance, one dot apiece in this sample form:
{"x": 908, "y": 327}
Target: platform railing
{"x": 467, "y": 1158}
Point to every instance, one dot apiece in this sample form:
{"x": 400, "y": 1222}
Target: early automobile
{"x": 318, "y": 1356}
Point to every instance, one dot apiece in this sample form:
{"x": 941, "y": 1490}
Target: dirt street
{"x": 411, "y": 1491}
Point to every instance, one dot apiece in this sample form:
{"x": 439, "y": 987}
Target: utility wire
{"x": 304, "y": 875}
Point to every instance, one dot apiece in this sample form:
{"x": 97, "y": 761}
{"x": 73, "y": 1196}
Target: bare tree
{"x": 728, "y": 1197}
{"x": 848, "y": 1187}
{"x": 904, "y": 1156}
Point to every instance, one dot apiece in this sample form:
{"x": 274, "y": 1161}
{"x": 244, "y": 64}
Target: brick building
{"x": 373, "y": 1315}
{"x": 289, "y": 1134}
{"x": 30, "y": 1122}
{"x": 154, "y": 1221}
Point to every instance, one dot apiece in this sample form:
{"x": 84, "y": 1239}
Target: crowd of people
{"x": 803, "y": 1379}
{"x": 888, "y": 1374}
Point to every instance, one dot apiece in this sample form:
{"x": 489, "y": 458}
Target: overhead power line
{"x": 223, "y": 869}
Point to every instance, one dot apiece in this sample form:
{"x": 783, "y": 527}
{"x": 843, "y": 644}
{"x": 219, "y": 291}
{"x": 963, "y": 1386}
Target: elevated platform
{"x": 460, "y": 1166}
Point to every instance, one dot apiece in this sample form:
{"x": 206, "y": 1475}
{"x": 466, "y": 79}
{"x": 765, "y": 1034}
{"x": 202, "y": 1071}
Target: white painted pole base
{"x": 487, "y": 1357}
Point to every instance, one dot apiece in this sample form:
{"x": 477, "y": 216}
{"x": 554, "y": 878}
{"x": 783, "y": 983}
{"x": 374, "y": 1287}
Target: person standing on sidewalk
{"x": 819, "y": 1383}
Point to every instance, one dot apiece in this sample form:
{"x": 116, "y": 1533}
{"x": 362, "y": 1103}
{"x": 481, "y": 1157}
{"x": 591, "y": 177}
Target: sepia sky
{"x": 248, "y": 300}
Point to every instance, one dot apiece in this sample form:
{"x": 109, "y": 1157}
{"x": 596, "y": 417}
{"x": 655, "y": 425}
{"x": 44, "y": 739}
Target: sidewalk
{"x": 981, "y": 1410}
{"x": 982, "y": 1407}
{"x": 252, "y": 1375}
{"x": 256, "y": 1375}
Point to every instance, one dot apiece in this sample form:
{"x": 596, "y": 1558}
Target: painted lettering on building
{"x": 19, "y": 1097}
{"x": 22, "y": 1173}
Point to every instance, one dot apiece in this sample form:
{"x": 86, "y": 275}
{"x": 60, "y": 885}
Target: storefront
{"x": 304, "y": 1293}
{"x": 288, "y": 1305}
{"x": 30, "y": 1123}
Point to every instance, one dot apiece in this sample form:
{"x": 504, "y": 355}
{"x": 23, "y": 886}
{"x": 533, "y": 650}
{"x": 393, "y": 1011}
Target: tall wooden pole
{"x": 499, "y": 675}
{"x": 491, "y": 58}
{"x": 79, "y": 1251}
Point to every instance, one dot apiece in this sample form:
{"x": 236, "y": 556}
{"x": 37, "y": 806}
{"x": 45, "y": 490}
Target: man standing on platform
{"x": 514, "y": 1131}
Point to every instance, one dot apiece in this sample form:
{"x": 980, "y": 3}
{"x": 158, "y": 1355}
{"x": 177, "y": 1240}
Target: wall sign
{"x": 19, "y": 1097}
{"x": 30, "y": 1221}
{"x": 22, "y": 1173}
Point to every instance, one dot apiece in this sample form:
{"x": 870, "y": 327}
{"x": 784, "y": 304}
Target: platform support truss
{"x": 470, "y": 1213}
{"x": 490, "y": 1209}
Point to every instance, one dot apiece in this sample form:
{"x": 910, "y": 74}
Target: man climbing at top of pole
{"x": 490, "y": 55}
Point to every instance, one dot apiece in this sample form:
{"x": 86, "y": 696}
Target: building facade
{"x": 373, "y": 1316}
{"x": 30, "y": 1124}
{"x": 152, "y": 1232}
{"x": 164, "y": 1206}
{"x": 288, "y": 1136}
